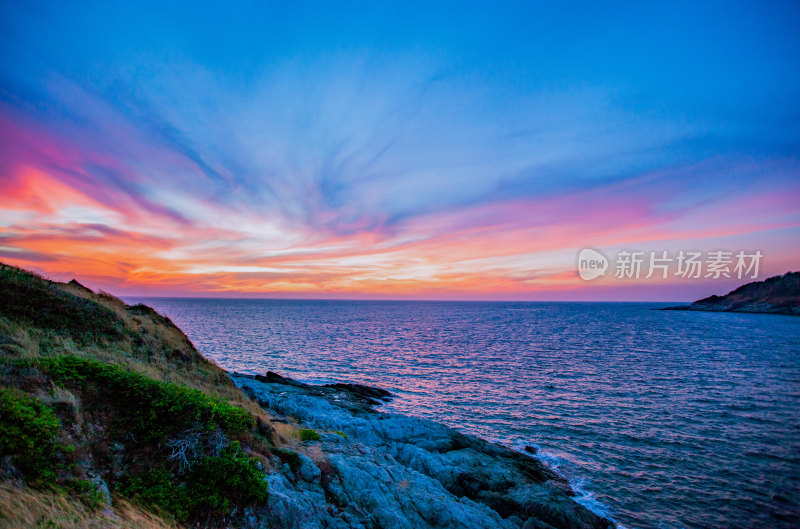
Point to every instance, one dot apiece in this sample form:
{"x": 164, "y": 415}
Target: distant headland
{"x": 776, "y": 295}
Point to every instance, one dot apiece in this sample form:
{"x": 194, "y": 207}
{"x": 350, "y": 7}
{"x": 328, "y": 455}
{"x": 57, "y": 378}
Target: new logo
{"x": 591, "y": 264}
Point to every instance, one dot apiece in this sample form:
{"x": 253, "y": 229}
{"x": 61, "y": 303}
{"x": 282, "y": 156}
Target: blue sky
{"x": 368, "y": 149}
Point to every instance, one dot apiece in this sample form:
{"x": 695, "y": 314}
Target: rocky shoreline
{"x": 776, "y": 295}
{"x": 392, "y": 471}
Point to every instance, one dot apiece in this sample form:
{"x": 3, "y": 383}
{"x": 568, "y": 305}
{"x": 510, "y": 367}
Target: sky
{"x": 408, "y": 151}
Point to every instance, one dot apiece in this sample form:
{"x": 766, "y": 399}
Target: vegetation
{"x": 205, "y": 475}
{"x": 154, "y": 488}
{"x": 289, "y": 457}
{"x": 23, "y": 508}
{"x": 213, "y": 487}
{"x": 307, "y": 434}
{"x": 41, "y": 318}
{"x": 95, "y": 387}
{"x": 33, "y": 300}
{"x": 28, "y": 431}
{"x": 88, "y": 491}
{"x": 216, "y": 483}
{"x": 148, "y": 409}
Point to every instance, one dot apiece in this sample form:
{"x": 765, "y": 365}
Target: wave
{"x": 579, "y": 484}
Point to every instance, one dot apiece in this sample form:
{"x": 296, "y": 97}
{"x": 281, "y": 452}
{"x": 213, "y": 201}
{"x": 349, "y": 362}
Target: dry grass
{"x": 24, "y": 508}
{"x": 286, "y": 433}
{"x": 19, "y": 341}
{"x": 60, "y": 396}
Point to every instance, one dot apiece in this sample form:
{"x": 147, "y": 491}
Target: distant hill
{"x": 776, "y": 295}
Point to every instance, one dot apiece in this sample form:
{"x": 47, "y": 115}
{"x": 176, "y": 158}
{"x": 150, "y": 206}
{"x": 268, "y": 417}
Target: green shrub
{"x": 213, "y": 487}
{"x": 307, "y": 434}
{"x": 90, "y": 495}
{"x": 155, "y": 488}
{"x": 28, "y": 431}
{"x": 340, "y": 433}
{"x": 148, "y": 408}
{"x": 216, "y": 484}
{"x": 153, "y": 411}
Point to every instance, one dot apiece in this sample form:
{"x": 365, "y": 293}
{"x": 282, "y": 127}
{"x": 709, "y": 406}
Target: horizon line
{"x": 413, "y": 300}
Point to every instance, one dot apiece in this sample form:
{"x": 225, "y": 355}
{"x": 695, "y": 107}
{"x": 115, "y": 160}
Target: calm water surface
{"x": 661, "y": 419}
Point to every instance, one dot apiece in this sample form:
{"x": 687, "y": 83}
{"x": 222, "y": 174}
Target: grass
{"x": 37, "y": 302}
{"x": 98, "y": 387}
{"x": 307, "y": 434}
{"x": 24, "y": 508}
{"x": 41, "y": 318}
{"x": 213, "y": 475}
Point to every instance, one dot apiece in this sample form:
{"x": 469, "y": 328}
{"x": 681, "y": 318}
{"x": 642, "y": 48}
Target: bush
{"x": 154, "y": 488}
{"x": 28, "y": 431}
{"x": 149, "y": 409}
{"x": 88, "y": 492}
{"x": 218, "y": 483}
{"x": 153, "y": 412}
{"x": 213, "y": 487}
{"x": 307, "y": 434}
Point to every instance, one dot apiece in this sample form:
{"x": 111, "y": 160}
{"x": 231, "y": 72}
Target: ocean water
{"x": 660, "y": 419}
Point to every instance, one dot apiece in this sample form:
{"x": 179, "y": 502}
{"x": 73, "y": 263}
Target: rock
{"x": 308, "y": 471}
{"x": 368, "y": 393}
{"x": 395, "y": 471}
{"x": 395, "y": 496}
{"x": 275, "y": 378}
{"x": 75, "y": 283}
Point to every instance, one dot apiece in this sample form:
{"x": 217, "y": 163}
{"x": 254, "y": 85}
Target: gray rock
{"x": 308, "y": 471}
{"x": 399, "y": 472}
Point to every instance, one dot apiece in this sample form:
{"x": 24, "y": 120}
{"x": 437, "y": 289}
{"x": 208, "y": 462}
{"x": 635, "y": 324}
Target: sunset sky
{"x": 466, "y": 151}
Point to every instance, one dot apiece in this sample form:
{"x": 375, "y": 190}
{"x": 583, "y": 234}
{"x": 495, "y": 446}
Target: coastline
{"x": 132, "y": 421}
{"x": 375, "y": 398}
{"x": 447, "y": 476}
{"x": 768, "y": 309}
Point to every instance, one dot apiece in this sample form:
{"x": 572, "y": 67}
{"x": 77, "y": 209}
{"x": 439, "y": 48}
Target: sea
{"x": 660, "y": 419}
